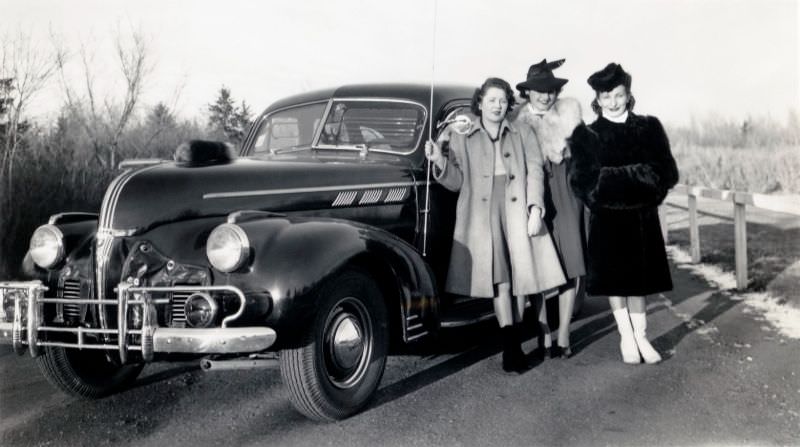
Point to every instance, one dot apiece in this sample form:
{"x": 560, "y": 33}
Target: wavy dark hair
{"x": 599, "y": 110}
{"x": 477, "y": 97}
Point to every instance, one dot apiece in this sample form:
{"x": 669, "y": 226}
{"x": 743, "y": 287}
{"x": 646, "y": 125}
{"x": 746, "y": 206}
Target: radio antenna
{"x": 426, "y": 211}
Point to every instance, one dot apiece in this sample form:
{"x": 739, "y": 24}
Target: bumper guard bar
{"x": 28, "y": 323}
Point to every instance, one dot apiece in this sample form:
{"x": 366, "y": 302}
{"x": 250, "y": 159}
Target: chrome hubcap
{"x": 347, "y": 343}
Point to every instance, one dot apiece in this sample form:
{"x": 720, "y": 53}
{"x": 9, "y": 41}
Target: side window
{"x": 383, "y": 125}
{"x": 288, "y": 129}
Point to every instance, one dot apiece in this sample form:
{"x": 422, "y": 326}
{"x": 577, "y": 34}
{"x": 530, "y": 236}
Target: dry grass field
{"x": 759, "y": 170}
{"x": 757, "y": 155}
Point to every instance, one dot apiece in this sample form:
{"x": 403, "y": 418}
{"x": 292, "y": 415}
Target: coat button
{"x": 513, "y": 199}
{"x": 511, "y": 177}
{"x": 485, "y": 199}
{"x": 506, "y": 155}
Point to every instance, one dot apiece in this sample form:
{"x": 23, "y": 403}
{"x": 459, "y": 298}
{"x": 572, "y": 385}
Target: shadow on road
{"x": 717, "y": 304}
{"x": 156, "y": 402}
{"x": 166, "y": 374}
{"x": 690, "y": 286}
{"x": 435, "y": 373}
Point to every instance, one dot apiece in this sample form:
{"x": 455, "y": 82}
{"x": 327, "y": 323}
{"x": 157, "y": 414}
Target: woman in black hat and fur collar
{"x": 553, "y": 120}
{"x": 622, "y": 170}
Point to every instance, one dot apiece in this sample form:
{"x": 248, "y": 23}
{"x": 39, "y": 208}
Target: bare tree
{"x": 105, "y": 120}
{"x": 25, "y": 68}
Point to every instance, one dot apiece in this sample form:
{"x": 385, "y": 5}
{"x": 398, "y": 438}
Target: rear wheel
{"x": 85, "y": 373}
{"x": 342, "y": 356}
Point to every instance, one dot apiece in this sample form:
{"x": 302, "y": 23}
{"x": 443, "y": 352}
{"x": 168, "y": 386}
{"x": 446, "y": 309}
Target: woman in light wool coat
{"x": 501, "y": 249}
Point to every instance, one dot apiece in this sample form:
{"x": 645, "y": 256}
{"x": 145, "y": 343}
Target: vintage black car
{"x": 312, "y": 248}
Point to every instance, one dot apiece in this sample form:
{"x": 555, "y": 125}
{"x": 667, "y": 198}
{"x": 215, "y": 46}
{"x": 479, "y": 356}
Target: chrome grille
{"x": 177, "y": 306}
{"x": 72, "y": 289}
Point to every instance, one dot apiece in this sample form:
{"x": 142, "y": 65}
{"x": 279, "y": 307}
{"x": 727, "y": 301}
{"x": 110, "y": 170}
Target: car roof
{"x": 421, "y": 93}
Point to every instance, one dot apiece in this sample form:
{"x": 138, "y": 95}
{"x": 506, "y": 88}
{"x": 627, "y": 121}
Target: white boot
{"x": 627, "y": 344}
{"x": 639, "y": 323}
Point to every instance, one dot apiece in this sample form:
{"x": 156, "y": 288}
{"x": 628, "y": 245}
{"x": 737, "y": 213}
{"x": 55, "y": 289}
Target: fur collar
{"x": 553, "y": 127}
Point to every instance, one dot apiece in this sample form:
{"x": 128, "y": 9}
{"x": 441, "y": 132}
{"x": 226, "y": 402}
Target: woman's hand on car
{"x": 433, "y": 151}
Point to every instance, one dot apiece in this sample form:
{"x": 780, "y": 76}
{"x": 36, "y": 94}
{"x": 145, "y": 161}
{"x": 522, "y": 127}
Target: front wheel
{"x": 85, "y": 373}
{"x": 342, "y": 356}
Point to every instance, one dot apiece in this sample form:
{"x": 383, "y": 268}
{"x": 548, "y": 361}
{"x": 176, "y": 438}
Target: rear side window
{"x": 288, "y": 129}
{"x": 392, "y": 126}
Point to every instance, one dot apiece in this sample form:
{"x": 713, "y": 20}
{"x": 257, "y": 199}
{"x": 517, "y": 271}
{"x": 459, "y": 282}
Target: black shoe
{"x": 557, "y": 352}
{"x": 514, "y": 360}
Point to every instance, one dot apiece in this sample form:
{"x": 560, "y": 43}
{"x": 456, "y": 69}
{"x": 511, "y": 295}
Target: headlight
{"x": 201, "y": 310}
{"x": 47, "y": 246}
{"x": 227, "y": 247}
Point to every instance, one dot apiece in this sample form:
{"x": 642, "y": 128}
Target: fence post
{"x": 694, "y": 230}
{"x": 740, "y": 240}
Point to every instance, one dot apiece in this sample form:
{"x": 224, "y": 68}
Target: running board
{"x": 467, "y": 312}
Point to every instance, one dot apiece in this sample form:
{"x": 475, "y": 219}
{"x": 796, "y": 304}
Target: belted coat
{"x": 469, "y": 169}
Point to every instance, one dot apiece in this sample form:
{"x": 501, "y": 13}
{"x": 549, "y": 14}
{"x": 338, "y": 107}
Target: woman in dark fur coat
{"x": 622, "y": 169}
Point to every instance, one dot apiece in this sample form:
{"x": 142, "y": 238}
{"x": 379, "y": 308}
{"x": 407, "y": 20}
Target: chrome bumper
{"x": 28, "y": 325}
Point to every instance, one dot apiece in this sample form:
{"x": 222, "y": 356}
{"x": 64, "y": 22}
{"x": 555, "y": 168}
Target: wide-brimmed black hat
{"x": 541, "y": 79}
{"x": 609, "y": 78}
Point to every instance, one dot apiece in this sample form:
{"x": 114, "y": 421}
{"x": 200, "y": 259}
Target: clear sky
{"x": 732, "y": 58}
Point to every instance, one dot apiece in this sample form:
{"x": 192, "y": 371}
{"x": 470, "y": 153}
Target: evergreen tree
{"x": 10, "y": 135}
{"x": 6, "y": 101}
{"x": 226, "y": 120}
{"x": 242, "y": 119}
{"x": 160, "y": 117}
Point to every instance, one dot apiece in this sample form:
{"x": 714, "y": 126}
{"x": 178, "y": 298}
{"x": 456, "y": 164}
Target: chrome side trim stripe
{"x": 396, "y": 195}
{"x": 345, "y": 198}
{"x": 271, "y": 192}
{"x": 370, "y": 196}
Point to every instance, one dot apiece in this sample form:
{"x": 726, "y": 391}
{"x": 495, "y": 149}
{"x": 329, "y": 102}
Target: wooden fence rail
{"x": 781, "y": 204}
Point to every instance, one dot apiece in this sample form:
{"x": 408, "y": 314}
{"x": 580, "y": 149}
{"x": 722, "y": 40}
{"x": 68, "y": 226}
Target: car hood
{"x": 163, "y": 193}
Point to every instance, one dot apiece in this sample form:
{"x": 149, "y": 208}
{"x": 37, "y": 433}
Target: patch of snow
{"x": 781, "y": 316}
{"x": 709, "y": 329}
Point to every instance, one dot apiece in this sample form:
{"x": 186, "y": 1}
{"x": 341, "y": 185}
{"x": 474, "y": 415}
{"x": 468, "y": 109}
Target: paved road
{"x": 729, "y": 378}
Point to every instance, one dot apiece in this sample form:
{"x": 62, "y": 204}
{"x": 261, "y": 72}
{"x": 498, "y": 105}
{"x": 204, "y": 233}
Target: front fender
{"x": 292, "y": 257}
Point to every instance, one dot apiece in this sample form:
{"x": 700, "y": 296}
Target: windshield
{"x": 289, "y": 128}
{"x": 384, "y": 125}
